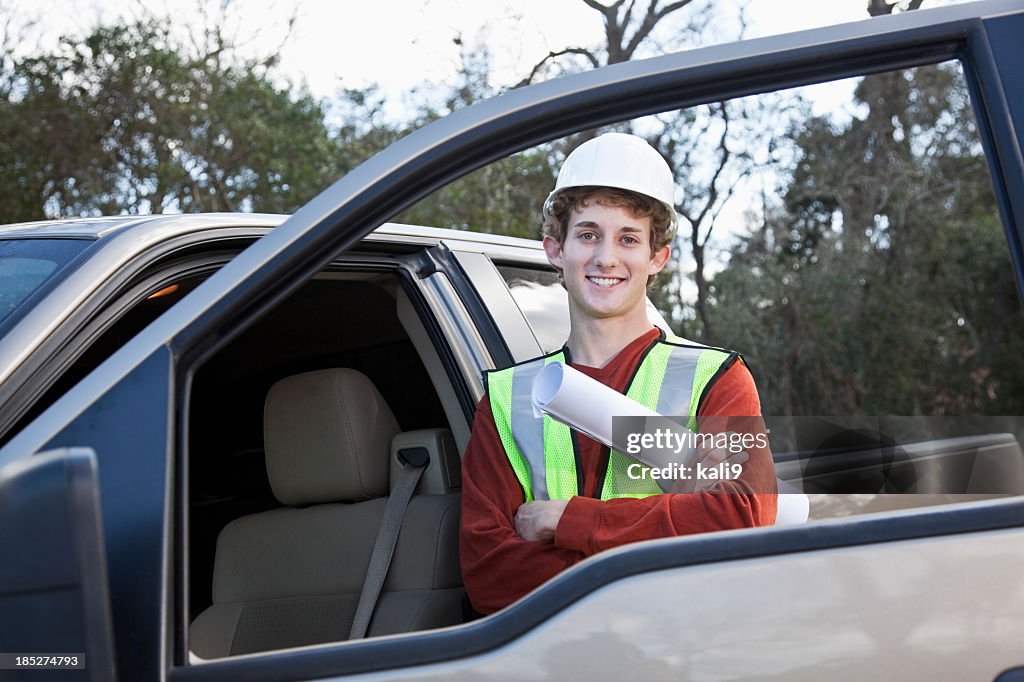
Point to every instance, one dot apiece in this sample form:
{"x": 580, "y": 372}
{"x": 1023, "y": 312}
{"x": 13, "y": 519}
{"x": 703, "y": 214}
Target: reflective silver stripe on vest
{"x": 527, "y": 430}
{"x": 677, "y": 387}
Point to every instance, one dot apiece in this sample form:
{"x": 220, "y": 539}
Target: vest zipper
{"x": 578, "y": 462}
{"x": 602, "y": 470}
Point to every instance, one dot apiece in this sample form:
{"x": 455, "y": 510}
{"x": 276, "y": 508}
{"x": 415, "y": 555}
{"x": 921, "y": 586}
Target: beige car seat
{"x": 292, "y": 576}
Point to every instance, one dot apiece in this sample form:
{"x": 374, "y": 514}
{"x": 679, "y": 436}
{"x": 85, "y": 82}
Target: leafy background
{"x": 867, "y": 274}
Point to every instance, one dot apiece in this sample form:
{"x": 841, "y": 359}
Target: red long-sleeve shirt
{"x": 499, "y": 567}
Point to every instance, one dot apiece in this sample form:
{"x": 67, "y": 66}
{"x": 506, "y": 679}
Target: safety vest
{"x": 672, "y": 378}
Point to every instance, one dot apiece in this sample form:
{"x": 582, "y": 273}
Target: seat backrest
{"x": 292, "y": 576}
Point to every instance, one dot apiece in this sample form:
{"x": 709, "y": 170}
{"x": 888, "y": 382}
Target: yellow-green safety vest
{"x": 671, "y": 379}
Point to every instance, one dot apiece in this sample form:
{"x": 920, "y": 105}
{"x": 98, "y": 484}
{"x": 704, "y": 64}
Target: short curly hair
{"x": 556, "y": 220}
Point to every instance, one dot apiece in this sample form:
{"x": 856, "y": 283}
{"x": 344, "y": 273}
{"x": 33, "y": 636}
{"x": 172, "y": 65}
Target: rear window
{"x": 27, "y": 264}
{"x": 545, "y": 304}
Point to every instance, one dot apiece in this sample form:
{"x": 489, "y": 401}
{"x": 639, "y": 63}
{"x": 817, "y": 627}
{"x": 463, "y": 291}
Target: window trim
{"x": 479, "y": 275}
{"x": 987, "y": 79}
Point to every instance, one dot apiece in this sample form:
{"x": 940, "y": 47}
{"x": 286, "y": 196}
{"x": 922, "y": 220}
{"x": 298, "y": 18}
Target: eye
{"x": 590, "y": 236}
{"x": 630, "y": 240}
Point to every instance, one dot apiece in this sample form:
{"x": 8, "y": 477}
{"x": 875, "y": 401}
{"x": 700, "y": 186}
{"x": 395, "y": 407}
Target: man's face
{"x": 606, "y": 260}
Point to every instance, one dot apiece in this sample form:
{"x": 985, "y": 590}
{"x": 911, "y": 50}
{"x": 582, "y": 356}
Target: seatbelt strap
{"x": 414, "y": 461}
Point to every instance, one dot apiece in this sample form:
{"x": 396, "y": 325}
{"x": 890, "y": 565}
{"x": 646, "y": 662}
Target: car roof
{"x": 173, "y": 225}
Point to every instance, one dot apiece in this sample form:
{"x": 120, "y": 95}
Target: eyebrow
{"x": 624, "y": 228}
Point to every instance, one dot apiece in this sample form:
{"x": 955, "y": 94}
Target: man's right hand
{"x": 538, "y": 520}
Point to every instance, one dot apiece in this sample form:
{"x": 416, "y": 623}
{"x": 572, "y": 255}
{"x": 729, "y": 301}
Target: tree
{"x": 709, "y": 147}
{"x": 881, "y": 284}
{"x": 503, "y": 197}
{"x": 127, "y": 120}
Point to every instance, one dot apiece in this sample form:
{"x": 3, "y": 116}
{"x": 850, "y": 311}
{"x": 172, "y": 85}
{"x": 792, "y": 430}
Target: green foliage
{"x": 504, "y": 197}
{"x": 127, "y": 121}
{"x": 882, "y": 284}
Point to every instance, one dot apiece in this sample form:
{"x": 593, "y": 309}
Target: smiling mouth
{"x": 605, "y": 282}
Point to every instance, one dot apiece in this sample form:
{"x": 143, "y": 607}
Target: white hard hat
{"x": 621, "y": 161}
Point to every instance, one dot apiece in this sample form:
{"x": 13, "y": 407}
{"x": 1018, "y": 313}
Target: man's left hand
{"x": 537, "y": 520}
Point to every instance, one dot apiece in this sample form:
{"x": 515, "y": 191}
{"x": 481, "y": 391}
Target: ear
{"x": 659, "y": 259}
{"x": 554, "y": 251}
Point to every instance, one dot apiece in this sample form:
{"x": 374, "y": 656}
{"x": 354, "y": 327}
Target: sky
{"x": 401, "y": 44}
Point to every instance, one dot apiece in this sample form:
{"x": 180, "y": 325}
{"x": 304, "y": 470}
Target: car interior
{"x": 296, "y": 432}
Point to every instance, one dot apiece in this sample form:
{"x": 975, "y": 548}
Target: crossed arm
{"x": 509, "y": 547}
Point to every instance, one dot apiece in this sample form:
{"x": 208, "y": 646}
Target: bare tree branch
{"x": 877, "y": 8}
{"x": 628, "y": 14}
{"x": 651, "y": 19}
{"x": 608, "y": 11}
{"x": 725, "y": 200}
{"x": 672, "y": 7}
{"x": 723, "y": 161}
{"x": 591, "y": 57}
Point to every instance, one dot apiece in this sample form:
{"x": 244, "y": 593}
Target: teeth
{"x": 604, "y": 281}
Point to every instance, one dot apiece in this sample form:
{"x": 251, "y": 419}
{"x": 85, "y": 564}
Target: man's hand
{"x": 537, "y": 520}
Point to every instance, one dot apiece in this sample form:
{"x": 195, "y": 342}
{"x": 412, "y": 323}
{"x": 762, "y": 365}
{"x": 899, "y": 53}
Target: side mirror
{"x": 54, "y": 594}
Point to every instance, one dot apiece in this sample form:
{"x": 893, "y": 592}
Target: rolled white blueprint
{"x": 793, "y": 506}
{"x": 571, "y": 397}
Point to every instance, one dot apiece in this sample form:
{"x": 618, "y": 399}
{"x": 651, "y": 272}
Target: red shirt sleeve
{"x": 590, "y": 525}
{"x": 498, "y": 566}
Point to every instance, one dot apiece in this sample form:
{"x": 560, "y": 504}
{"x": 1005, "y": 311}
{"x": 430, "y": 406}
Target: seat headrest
{"x": 327, "y": 436}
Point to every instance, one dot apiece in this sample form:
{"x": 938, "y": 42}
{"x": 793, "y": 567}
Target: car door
{"x": 747, "y": 604}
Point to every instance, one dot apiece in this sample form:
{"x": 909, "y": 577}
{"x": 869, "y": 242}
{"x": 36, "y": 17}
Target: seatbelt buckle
{"x": 414, "y": 457}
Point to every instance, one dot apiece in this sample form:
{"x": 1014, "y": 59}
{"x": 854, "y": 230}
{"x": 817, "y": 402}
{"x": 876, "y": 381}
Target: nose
{"x": 605, "y": 256}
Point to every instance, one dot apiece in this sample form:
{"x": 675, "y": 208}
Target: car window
{"x": 543, "y": 301}
{"x": 875, "y": 279}
{"x": 541, "y": 297}
{"x": 28, "y": 264}
{"x": 844, "y": 238}
{"x": 866, "y": 280}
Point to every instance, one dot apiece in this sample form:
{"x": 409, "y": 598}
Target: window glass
{"x": 26, "y": 264}
{"x": 541, "y": 297}
{"x": 850, "y": 247}
{"x": 845, "y": 239}
{"x": 869, "y": 273}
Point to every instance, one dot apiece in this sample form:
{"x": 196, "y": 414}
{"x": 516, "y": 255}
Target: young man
{"x": 537, "y": 497}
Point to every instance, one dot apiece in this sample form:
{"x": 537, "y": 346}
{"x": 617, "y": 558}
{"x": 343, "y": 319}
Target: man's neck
{"x": 594, "y": 342}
